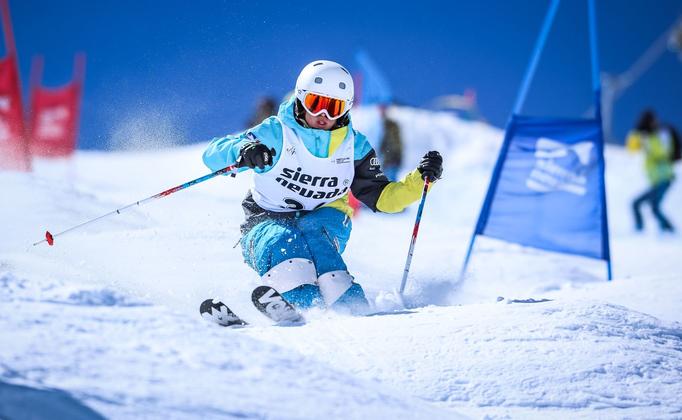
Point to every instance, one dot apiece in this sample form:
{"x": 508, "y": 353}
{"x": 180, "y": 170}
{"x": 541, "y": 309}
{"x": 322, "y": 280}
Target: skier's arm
{"x": 396, "y": 196}
{"x": 373, "y": 189}
{"x": 369, "y": 181}
{"x": 224, "y": 151}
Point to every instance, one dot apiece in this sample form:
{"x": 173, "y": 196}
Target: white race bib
{"x": 301, "y": 181}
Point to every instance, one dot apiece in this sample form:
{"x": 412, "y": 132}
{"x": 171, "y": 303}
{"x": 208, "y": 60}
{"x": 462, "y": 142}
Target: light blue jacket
{"x": 369, "y": 185}
{"x": 224, "y": 151}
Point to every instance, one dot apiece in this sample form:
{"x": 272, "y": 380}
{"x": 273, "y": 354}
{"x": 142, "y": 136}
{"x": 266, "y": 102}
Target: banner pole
{"x": 79, "y": 80}
{"x": 520, "y": 99}
{"x": 79, "y": 67}
{"x": 35, "y": 78}
{"x": 7, "y": 25}
{"x": 596, "y": 86}
{"x": 535, "y": 58}
{"x": 487, "y": 201}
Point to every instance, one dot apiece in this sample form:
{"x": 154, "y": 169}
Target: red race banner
{"x": 54, "y": 115}
{"x": 13, "y": 148}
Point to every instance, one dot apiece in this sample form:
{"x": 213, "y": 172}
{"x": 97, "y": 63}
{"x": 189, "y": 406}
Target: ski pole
{"x": 49, "y": 238}
{"x": 415, "y": 231}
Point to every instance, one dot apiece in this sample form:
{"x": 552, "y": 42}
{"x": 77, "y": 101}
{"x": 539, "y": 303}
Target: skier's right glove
{"x": 255, "y": 154}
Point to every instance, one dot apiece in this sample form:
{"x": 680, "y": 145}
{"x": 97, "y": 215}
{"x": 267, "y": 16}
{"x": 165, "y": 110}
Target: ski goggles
{"x": 317, "y": 104}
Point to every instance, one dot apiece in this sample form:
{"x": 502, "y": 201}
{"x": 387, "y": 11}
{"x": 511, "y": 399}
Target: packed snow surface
{"x": 106, "y": 323}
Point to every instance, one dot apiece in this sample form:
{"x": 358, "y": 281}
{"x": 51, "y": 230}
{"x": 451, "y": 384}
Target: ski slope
{"x": 106, "y": 323}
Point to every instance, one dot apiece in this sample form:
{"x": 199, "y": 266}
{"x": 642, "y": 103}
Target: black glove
{"x": 431, "y": 166}
{"x": 255, "y": 154}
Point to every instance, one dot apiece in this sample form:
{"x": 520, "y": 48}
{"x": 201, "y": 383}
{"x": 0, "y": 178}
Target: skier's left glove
{"x": 255, "y": 154}
{"x": 431, "y": 166}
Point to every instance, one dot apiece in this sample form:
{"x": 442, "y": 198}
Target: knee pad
{"x": 341, "y": 293}
{"x": 290, "y": 274}
{"x": 334, "y": 284}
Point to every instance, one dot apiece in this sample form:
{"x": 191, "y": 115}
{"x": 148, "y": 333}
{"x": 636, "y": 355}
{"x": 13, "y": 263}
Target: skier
{"x": 659, "y": 143}
{"x": 306, "y": 160}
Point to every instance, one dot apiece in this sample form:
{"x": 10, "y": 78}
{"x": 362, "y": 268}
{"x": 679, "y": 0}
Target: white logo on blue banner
{"x": 561, "y": 167}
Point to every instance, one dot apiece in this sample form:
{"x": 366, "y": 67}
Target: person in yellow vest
{"x": 657, "y": 142}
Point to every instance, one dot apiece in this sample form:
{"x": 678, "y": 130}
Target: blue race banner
{"x": 375, "y": 87}
{"x": 547, "y": 189}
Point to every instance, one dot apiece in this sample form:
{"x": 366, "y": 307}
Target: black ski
{"x": 218, "y": 312}
{"x": 271, "y": 304}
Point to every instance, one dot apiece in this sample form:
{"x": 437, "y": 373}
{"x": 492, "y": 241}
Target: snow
{"x": 106, "y": 321}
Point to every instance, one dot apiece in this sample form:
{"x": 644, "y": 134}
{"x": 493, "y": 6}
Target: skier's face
{"x": 320, "y": 122}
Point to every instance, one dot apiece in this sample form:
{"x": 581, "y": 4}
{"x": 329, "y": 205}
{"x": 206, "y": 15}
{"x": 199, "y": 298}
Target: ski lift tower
{"x": 613, "y": 86}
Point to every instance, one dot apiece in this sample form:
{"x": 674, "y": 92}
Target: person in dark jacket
{"x": 266, "y": 107}
{"x": 391, "y": 146}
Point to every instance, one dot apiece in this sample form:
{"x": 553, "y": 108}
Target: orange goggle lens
{"x": 316, "y": 104}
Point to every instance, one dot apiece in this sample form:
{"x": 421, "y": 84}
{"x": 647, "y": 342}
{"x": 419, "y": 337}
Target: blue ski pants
{"x": 653, "y": 196}
{"x": 319, "y": 236}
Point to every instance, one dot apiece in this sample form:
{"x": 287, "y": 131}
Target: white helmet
{"x": 329, "y": 79}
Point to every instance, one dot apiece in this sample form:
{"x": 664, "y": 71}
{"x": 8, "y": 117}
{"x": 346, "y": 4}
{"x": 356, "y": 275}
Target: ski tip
{"x": 216, "y": 311}
{"x": 271, "y": 304}
{"x": 259, "y": 291}
{"x": 49, "y": 238}
{"x": 205, "y": 306}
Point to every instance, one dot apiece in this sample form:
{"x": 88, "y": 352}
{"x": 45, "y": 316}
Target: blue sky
{"x": 200, "y": 66}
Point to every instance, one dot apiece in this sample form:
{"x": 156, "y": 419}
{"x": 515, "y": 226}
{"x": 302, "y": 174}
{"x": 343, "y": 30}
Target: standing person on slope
{"x": 658, "y": 142}
{"x": 306, "y": 160}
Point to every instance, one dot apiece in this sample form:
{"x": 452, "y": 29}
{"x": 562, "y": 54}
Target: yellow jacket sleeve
{"x": 396, "y": 196}
{"x": 634, "y": 141}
